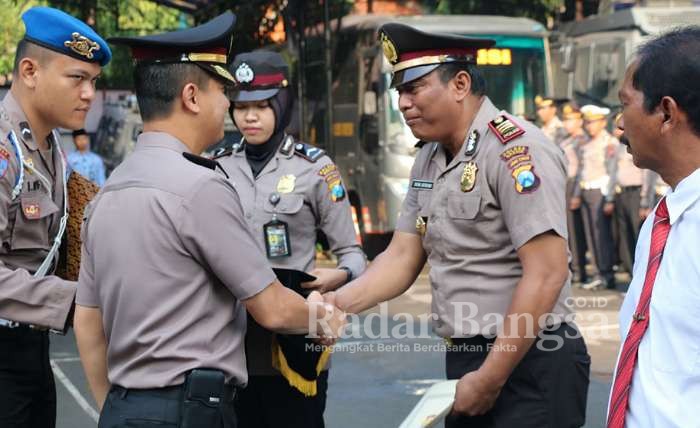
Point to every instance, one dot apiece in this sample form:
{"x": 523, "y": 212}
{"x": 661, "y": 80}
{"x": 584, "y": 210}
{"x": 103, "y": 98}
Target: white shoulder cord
{"x": 53, "y": 253}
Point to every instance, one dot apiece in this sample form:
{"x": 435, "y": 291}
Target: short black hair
{"x": 157, "y": 86}
{"x": 669, "y": 65}
{"x": 25, "y": 49}
{"x": 450, "y": 69}
{"x": 79, "y": 132}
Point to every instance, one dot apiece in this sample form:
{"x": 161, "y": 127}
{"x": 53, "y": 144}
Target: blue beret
{"x": 60, "y": 32}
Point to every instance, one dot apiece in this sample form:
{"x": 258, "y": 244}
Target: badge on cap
{"x": 472, "y": 143}
{"x": 468, "y": 179}
{"x": 82, "y": 45}
{"x": 421, "y": 225}
{"x": 286, "y": 183}
{"x": 389, "y": 49}
{"x": 244, "y": 74}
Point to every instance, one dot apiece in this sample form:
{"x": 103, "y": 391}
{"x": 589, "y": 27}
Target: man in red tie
{"x": 657, "y": 378}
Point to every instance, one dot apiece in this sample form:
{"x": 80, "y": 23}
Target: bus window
{"x": 515, "y": 70}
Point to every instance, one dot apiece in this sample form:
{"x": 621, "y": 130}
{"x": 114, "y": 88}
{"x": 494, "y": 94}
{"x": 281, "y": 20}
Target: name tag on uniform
{"x": 422, "y": 184}
{"x": 277, "y": 239}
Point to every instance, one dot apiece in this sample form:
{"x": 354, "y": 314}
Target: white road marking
{"x": 82, "y": 402}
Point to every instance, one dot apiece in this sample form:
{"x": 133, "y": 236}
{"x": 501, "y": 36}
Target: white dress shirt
{"x": 666, "y": 383}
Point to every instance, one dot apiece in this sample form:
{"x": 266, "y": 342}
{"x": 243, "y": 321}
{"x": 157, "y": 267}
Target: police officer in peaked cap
{"x": 56, "y": 65}
{"x": 485, "y": 207}
{"x": 170, "y": 266}
{"x": 289, "y": 190}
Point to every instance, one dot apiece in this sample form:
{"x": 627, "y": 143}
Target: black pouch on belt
{"x": 203, "y": 395}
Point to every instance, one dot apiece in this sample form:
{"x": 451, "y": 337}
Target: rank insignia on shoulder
{"x": 505, "y": 129}
{"x": 222, "y": 153}
{"x": 308, "y": 152}
{"x": 526, "y": 181}
{"x": 472, "y": 143}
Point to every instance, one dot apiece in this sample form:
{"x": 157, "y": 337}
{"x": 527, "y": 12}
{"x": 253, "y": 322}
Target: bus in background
{"x": 589, "y": 57}
{"x": 370, "y": 142}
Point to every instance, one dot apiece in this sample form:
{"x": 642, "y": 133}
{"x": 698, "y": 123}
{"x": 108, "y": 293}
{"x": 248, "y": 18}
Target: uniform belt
{"x": 169, "y": 392}
{"x": 598, "y": 183}
{"x": 630, "y": 188}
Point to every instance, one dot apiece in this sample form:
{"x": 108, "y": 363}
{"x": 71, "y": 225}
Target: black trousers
{"x": 269, "y": 402}
{"x": 548, "y": 389}
{"x": 149, "y": 408}
{"x": 628, "y": 223}
{"x": 27, "y": 388}
{"x": 577, "y": 237}
{"x": 599, "y": 236}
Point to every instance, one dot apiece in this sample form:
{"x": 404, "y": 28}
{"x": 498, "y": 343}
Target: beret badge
{"x": 82, "y": 45}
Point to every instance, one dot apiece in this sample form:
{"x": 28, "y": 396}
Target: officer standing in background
{"x": 628, "y": 180}
{"x": 653, "y": 189}
{"x": 288, "y": 191}
{"x": 552, "y": 126}
{"x": 598, "y": 157}
{"x": 85, "y": 162}
{"x": 169, "y": 264}
{"x": 486, "y": 208}
{"x": 573, "y": 123}
{"x": 53, "y": 85}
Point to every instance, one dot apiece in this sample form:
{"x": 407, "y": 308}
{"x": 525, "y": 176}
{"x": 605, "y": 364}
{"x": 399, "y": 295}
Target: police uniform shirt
{"x": 29, "y": 224}
{"x": 627, "y": 174}
{"x": 554, "y": 130}
{"x": 572, "y": 150}
{"x": 471, "y": 235}
{"x": 598, "y": 157}
{"x": 167, "y": 258}
{"x": 306, "y": 203}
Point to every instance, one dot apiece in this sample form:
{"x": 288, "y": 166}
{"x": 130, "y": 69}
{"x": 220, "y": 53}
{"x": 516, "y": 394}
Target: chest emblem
{"x": 468, "y": 180}
{"x": 4, "y": 161}
{"x": 421, "y": 225}
{"x": 31, "y": 211}
{"x": 286, "y": 183}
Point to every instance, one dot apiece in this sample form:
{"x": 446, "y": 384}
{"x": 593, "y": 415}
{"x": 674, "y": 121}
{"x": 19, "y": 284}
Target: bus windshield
{"x": 515, "y": 72}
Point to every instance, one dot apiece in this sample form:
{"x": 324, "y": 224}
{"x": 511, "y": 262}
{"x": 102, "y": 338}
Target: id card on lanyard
{"x": 276, "y": 234}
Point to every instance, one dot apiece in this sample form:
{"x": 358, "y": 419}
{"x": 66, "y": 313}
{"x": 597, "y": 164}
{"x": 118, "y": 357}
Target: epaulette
{"x": 222, "y": 153}
{"x": 308, "y": 152}
{"x": 420, "y": 144}
{"x": 505, "y": 129}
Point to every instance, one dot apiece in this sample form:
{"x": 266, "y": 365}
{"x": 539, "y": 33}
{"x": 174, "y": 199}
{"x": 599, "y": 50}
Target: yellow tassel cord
{"x": 305, "y": 386}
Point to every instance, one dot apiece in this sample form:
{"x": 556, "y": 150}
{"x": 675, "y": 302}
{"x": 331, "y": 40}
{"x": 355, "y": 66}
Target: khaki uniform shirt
{"x": 167, "y": 258}
{"x": 555, "y": 131}
{"x": 471, "y": 235}
{"x": 625, "y": 171}
{"x": 306, "y": 205}
{"x": 598, "y": 160}
{"x": 29, "y": 224}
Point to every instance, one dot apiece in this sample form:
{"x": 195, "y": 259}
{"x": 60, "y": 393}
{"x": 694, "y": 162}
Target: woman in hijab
{"x": 289, "y": 191}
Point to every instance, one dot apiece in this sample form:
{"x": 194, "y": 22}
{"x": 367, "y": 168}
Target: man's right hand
{"x": 574, "y": 203}
{"x": 332, "y": 321}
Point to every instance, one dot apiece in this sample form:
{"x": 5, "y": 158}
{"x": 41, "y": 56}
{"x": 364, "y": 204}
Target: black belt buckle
{"x": 205, "y": 392}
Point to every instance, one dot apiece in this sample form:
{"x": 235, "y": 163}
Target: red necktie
{"x": 640, "y": 321}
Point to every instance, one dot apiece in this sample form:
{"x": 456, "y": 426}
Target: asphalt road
{"x": 376, "y": 382}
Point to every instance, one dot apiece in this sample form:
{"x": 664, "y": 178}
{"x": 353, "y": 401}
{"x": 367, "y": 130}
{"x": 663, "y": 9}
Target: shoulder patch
{"x": 505, "y": 129}
{"x": 420, "y": 144}
{"x": 308, "y": 152}
{"x": 4, "y": 161}
{"x": 331, "y": 176}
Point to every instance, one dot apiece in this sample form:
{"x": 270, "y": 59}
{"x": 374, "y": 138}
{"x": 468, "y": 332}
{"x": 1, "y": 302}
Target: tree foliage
{"x": 539, "y": 10}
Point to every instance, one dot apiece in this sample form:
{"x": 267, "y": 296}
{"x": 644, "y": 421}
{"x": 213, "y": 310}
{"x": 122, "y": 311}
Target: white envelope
{"x": 433, "y": 407}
